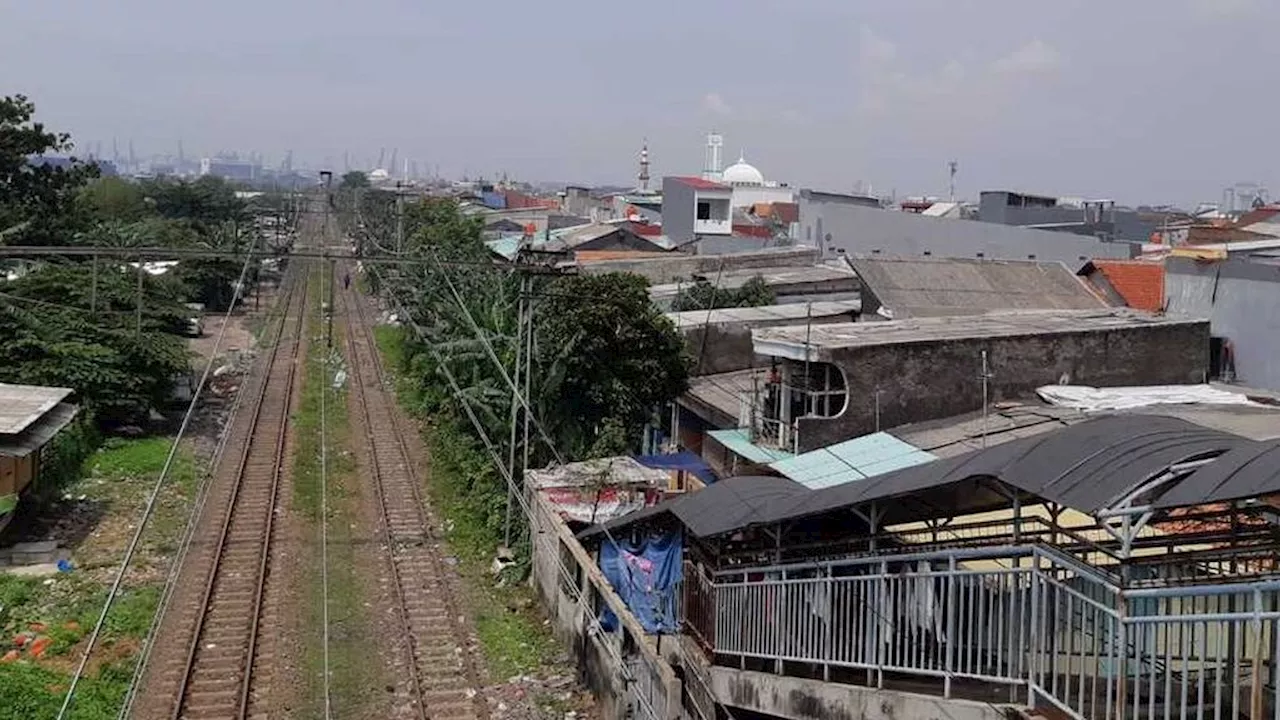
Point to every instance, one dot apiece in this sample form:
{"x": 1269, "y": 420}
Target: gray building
{"x": 846, "y": 224}
{"x": 1241, "y": 298}
{"x": 846, "y": 380}
{"x": 1097, "y": 218}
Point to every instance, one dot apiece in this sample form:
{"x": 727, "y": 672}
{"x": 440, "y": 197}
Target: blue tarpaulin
{"x": 687, "y": 461}
{"x": 646, "y": 575}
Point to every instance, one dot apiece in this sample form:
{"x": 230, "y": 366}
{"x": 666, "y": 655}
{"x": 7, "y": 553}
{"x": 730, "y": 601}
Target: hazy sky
{"x": 1138, "y": 100}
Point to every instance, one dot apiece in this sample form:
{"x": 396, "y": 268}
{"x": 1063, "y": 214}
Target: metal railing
{"x": 1047, "y": 629}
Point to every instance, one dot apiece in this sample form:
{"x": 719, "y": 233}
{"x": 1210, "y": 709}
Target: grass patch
{"x": 57, "y": 613}
{"x": 461, "y": 486}
{"x": 353, "y": 685}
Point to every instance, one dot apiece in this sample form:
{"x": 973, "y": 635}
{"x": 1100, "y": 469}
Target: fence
{"x": 1050, "y": 630}
{"x": 624, "y": 670}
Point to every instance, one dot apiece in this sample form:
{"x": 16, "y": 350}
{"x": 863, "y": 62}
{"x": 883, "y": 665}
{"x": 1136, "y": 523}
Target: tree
{"x": 118, "y": 372}
{"x": 607, "y": 356}
{"x": 705, "y": 296}
{"x": 206, "y": 203}
{"x": 354, "y": 179}
{"x": 37, "y": 198}
{"x": 115, "y": 199}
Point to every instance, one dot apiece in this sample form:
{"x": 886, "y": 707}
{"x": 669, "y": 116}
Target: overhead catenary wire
{"x": 149, "y": 508}
{"x": 324, "y": 509}
{"x": 566, "y": 575}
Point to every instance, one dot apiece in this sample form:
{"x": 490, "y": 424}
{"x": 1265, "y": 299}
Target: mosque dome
{"x": 742, "y": 173}
{"x": 379, "y": 175}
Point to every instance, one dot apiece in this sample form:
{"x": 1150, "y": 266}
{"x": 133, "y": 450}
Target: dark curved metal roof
{"x": 720, "y": 508}
{"x": 1084, "y": 467}
{"x": 1245, "y": 472}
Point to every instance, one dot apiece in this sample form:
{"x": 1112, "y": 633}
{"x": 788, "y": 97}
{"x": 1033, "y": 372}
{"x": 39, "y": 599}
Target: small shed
{"x": 30, "y": 416}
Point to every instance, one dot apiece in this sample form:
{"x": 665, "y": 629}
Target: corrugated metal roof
{"x": 856, "y": 459}
{"x": 764, "y": 313}
{"x": 38, "y": 433}
{"x": 785, "y": 341}
{"x": 22, "y": 405}
{"x": 928, "y": 287}
{"x": 739, "y": 441}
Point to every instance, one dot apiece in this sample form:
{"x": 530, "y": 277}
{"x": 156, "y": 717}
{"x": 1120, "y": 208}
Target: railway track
{"x": 207, "y": 651}
{"x": 442, "y": 680}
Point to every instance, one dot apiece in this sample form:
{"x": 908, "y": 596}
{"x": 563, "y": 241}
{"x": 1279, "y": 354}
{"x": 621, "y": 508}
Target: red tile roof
{"x": 1141, "y": 284}
{"x": 701, "y": 184}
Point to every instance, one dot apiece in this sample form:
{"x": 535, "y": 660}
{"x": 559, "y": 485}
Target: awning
{"x": 686, "y": 461}
{"x": 38, "y": 433}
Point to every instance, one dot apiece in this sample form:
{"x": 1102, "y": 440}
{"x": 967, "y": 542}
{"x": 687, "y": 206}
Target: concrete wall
{"x": 860, "y": 230}
{"x": 1242, "y": 301}
{"x": 800, "y": 699}
{"x": 676, "y": 268}
{"x": 677, "y": 210}
{"x": 933, "y": 380}
{"x": 725, "y": 347}
{"x": 571, "y": 623}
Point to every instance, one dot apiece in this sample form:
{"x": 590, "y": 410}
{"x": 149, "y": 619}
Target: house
{"x": 790, "y": 284}
{"x": 1139, "y": 284}
{"x": 1241, "y": 298}
{"x": 720, "y": 340}
{"x": 852, "y": 225}
{"x": 579, "y": 243}
{"x": 924, "y": 591}
{"x": 30, "y": 416}
{"x": 836, "y": 382}
{"x": 1095, "y": 218}
{"x": 693, "y": 207}
{"x": 899, "y": 288}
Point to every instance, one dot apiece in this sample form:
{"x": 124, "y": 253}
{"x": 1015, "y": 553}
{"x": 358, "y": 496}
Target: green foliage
{"x": 609, "y": 357}
{"x": 114, "y": 199}
{"x": 63, "y": 457}
{"x": 207, "y": 203}
{"x": 118, "y": 372}
{"x": 119, "y": 458}
{"x": 705, "y": 296}
{"x": 37, "y": 201}
{"x": 355, "y": 179}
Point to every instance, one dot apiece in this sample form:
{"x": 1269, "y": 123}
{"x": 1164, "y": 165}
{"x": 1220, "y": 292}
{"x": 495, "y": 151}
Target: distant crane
{"x": 953, "y": 167}
{"x": 391, "y": 166}
{"x": 382, "y": 154}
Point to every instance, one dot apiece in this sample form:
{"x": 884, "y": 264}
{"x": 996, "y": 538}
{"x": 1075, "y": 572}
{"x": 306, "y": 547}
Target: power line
{"x": 515, "y": 491}
{"x": 149, "y": 508}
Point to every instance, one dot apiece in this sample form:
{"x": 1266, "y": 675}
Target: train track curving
{"x": 207, "y": 654}
{"x": 442, "y": 678}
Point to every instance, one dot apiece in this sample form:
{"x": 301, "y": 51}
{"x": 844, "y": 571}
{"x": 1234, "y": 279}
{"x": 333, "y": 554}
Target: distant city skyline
{"x": 1072, "y": 98}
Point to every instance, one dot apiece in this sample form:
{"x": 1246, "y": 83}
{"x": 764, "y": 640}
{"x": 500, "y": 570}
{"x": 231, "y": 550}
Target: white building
{"x": 750, "y": 187}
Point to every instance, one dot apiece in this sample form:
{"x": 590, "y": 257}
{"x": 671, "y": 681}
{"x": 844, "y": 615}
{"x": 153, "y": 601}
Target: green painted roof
{"x": 739, "y": 441}
{"x": 851, "y": 460}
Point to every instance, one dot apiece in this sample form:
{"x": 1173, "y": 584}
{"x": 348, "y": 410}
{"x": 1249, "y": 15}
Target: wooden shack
{"x": 30, "y": 416}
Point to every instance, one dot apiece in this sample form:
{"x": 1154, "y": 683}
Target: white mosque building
{"x": 749, "y": 184}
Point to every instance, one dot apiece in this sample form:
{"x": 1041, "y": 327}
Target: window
{"x": 982, "y": 255}
{"x": 704, "y": 210}
{"x": 821, "y": 394}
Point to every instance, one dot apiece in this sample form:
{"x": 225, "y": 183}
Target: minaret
{"x": 711, "y": 170}
{"x": 644, "y": 167}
